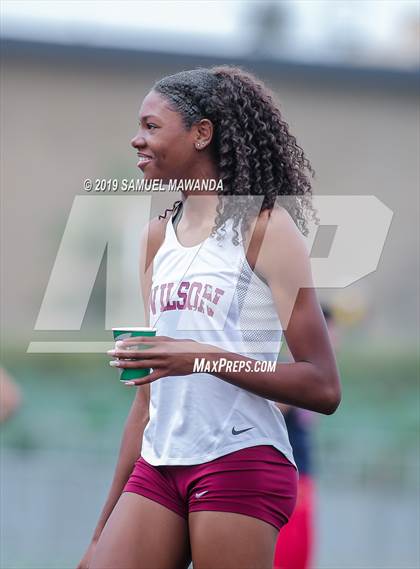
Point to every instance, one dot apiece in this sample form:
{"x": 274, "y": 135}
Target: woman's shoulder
{"x": 157, "y": 226}
{"x": 275, "y": 244}
{"x": 153, "y": 236}
{"x": 265, "y": 235}
{"x": 277, "y": 215}
{"x": 280, "y": 228}
{"x": 270, "y": 223}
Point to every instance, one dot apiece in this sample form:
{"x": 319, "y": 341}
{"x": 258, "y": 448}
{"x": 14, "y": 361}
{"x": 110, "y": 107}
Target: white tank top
{"x": 210, "y": 294}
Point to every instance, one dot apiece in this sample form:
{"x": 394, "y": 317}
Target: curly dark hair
{"x": 252, "y": 145}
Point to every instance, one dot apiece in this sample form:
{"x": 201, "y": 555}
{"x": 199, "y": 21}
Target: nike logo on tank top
{"x": 210, "y": 294}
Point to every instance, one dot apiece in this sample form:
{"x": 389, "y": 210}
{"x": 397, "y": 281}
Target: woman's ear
{"x": 204, "y": 133}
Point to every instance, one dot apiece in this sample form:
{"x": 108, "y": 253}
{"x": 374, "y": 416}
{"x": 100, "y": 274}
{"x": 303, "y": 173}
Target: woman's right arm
{"x": 130, "y": 450}
{"x": 138, "y": 417}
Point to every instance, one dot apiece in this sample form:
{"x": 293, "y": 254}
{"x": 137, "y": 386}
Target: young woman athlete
{"x": 206, "y": 471}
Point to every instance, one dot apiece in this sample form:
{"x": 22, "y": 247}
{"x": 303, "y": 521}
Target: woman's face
{"x": 166, "y": 149}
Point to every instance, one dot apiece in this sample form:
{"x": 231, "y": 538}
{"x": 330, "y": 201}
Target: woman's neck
{"x": 199, "y": 208}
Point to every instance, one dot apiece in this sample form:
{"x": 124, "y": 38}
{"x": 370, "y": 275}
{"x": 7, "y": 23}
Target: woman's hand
{"x": 167, "y": 356}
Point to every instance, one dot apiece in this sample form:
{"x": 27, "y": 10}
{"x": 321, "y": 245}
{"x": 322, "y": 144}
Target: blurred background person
{"x": 296, "y": 541}
{"x": 10, "y": 396}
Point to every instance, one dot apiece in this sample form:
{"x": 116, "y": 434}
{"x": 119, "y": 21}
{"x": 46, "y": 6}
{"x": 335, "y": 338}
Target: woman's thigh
{"x": 142, "y": 534}
{"x": 225, "y": 540}
{"x": 237, "y": 506}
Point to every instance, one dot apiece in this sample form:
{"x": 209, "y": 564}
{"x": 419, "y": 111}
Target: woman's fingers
{"x": 132, "y": 354}
{"x": 157, "y": 374}
{"x": 143, "y": 340}
{"x": 128, "y": 358}
{"x": 135, "y": 364}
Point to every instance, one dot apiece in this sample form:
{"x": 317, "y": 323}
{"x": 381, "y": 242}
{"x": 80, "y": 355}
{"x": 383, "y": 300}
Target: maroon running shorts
{"x": 257, "y": 481}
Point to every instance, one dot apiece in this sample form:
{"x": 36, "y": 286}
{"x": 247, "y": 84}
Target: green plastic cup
{"x": 121, "y": 333}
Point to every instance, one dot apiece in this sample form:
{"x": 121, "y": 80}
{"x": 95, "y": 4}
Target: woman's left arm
{"x": 312, "y": 381}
